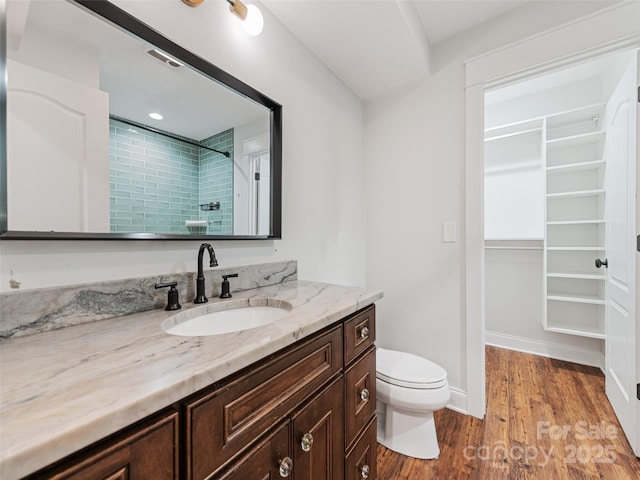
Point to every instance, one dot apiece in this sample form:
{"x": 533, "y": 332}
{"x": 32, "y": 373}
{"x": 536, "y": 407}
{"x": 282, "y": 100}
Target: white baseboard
{"x": 458, "y": 401}
{"x": 546, "y": 349}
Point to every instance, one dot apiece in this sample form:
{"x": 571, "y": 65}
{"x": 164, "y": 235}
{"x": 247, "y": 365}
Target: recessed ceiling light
{"x": 156, "y": 116}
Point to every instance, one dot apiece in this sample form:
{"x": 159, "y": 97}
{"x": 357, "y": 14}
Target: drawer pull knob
{"x": 364, "y": 333}
{"x": 307, "y": 441}
{"x": 286, "y": 464}
{"x": 364, "y": 394}
{"x": 364, "y": 471}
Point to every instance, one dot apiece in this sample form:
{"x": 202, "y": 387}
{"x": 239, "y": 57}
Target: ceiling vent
{"x": 164, "y": 58}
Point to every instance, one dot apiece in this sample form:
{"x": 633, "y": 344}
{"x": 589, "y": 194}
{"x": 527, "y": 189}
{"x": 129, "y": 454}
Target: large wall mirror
{"x": 115, "y": 132}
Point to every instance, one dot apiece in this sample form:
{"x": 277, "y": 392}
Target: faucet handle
{"x": 173, "y": 302}
{"x": 224, "y": 290}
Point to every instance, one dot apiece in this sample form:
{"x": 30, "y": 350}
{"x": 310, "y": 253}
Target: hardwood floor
{"x": 546, "y": 420}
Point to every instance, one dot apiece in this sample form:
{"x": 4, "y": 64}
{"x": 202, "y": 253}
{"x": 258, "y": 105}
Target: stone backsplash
{"x": 39, "y": 310}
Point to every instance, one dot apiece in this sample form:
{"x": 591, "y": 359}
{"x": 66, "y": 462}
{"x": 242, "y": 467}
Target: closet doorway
{"x": 251, "y": 175}
{"x": 559, "y": 220}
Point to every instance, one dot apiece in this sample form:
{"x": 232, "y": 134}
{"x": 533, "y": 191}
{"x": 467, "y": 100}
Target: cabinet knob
{"x": 364, "y": 333}
{"x": 286, "y": 464}
{"x": 306, "y": 442}
{"x": 364, "y": 471}
{"x": 364, "y": 394}
{"x": 600, "y": 263}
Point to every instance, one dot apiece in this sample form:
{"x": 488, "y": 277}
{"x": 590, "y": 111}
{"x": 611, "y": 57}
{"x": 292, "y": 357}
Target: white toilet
{"x": 409, "y": 389}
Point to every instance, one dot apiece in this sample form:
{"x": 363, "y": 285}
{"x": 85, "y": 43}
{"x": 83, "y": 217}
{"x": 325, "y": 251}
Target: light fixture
{"x": 250, "y": 15}
{"x": 156, "y": 116}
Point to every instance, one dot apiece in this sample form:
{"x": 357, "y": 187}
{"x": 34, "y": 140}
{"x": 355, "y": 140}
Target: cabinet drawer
{"x": 224, "y": 422}
{"x": 360, "y": 398}
{"x": 359, "y": 334}
{"x": 360, "y": 462}
{"x": 143, "y": 452}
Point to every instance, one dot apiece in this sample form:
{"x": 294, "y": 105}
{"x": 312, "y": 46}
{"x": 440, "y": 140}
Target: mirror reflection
{"x": 107, "y": 133}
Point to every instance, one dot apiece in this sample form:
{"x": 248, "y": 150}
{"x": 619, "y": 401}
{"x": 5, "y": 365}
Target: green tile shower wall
{"x": 216, "y": 182}
{"x": 156, "y": 182}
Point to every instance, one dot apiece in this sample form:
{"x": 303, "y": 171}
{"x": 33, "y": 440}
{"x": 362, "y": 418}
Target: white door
{"x": 620, "y": 328}
{"x": 58, "y": 133}
{"x": 260, "y": 193}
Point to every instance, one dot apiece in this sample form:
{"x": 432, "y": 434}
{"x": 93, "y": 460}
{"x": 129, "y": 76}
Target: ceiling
{"x": 378, "y": 45}
{"x": 373, "y": 46}
{"x": 43, "y": 33}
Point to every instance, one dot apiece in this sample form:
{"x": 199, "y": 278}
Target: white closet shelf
{"x": 580, "y": 113}
{"x": 513, "y": 167}
{"x": 576, "y": 167}
{"x": 579, "y": 139}
{"x": 575, "y": 249}
{"x": 571, "y": 147}
{"x": 498, "y": 247}
{"x": 575, "y": 298}
{"x": 513, "y": 134}
{"x": 576, "y": 194}
{"x": 583, "y": 331}
{"x": 580, "y": 276}
{"x": 523, "y": 125}
{"x": 576, "y": 222}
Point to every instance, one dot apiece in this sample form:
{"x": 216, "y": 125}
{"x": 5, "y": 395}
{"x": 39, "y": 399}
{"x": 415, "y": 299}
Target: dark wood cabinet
{"x": 270, "y": 459}
{"x": 318, "y": 436}
{"x": 225, "y": 421}
{"x": 359, "y": 334}
{"x": 360, "y": 395}
{"x": 306, "y": 413}
{"x": 147, "y": 451}
{"x": 360, "y": 461}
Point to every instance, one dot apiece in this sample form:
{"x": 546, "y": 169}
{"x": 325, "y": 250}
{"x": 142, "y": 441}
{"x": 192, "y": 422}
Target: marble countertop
{"x": 65, "y": 389}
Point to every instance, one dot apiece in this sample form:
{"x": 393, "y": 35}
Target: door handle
{"x": 600, "y": 263}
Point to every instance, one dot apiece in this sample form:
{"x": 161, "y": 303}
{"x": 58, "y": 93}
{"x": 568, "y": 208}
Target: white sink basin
{"x": 202, "y": 321}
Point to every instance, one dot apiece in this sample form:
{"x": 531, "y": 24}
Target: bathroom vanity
{"x": 295, "y": 398}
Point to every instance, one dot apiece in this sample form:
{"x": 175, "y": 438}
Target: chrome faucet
{"x": 200, "y": 296}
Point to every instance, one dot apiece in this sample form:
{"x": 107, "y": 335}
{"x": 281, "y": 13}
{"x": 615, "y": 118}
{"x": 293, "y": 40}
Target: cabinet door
{"x": 360, "y": 400}
{"x": 148, "y": 452}
{"x": 318, "y": 436}
{"x": 270, "y": 459}
{"x": 360, "y": 462}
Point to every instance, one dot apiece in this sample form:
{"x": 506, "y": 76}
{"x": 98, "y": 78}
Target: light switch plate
{"x": 449, "y": 232}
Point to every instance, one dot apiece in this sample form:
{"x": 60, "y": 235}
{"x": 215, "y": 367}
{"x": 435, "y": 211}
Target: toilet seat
{"x": 409, "y": 371}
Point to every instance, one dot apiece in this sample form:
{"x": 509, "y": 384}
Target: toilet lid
{"x": 408, "y": 370}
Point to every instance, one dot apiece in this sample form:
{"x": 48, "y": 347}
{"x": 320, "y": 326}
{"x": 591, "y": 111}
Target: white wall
{"x": 514, "y": 187}
{"x": 415, "y": 181}
{"x": 529, "y": 103}
{"x": 323, "y": 220}
{"x": 56, "y": 55}
{"x": 514, "y": 302}
{"x": 414, "y": 147}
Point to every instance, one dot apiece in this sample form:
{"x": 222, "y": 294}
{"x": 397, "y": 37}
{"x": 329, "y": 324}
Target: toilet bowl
{"x": 409, "y": 389}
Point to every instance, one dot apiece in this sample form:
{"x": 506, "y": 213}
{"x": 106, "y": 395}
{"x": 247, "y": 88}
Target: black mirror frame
{"x": 123, "y": 20}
